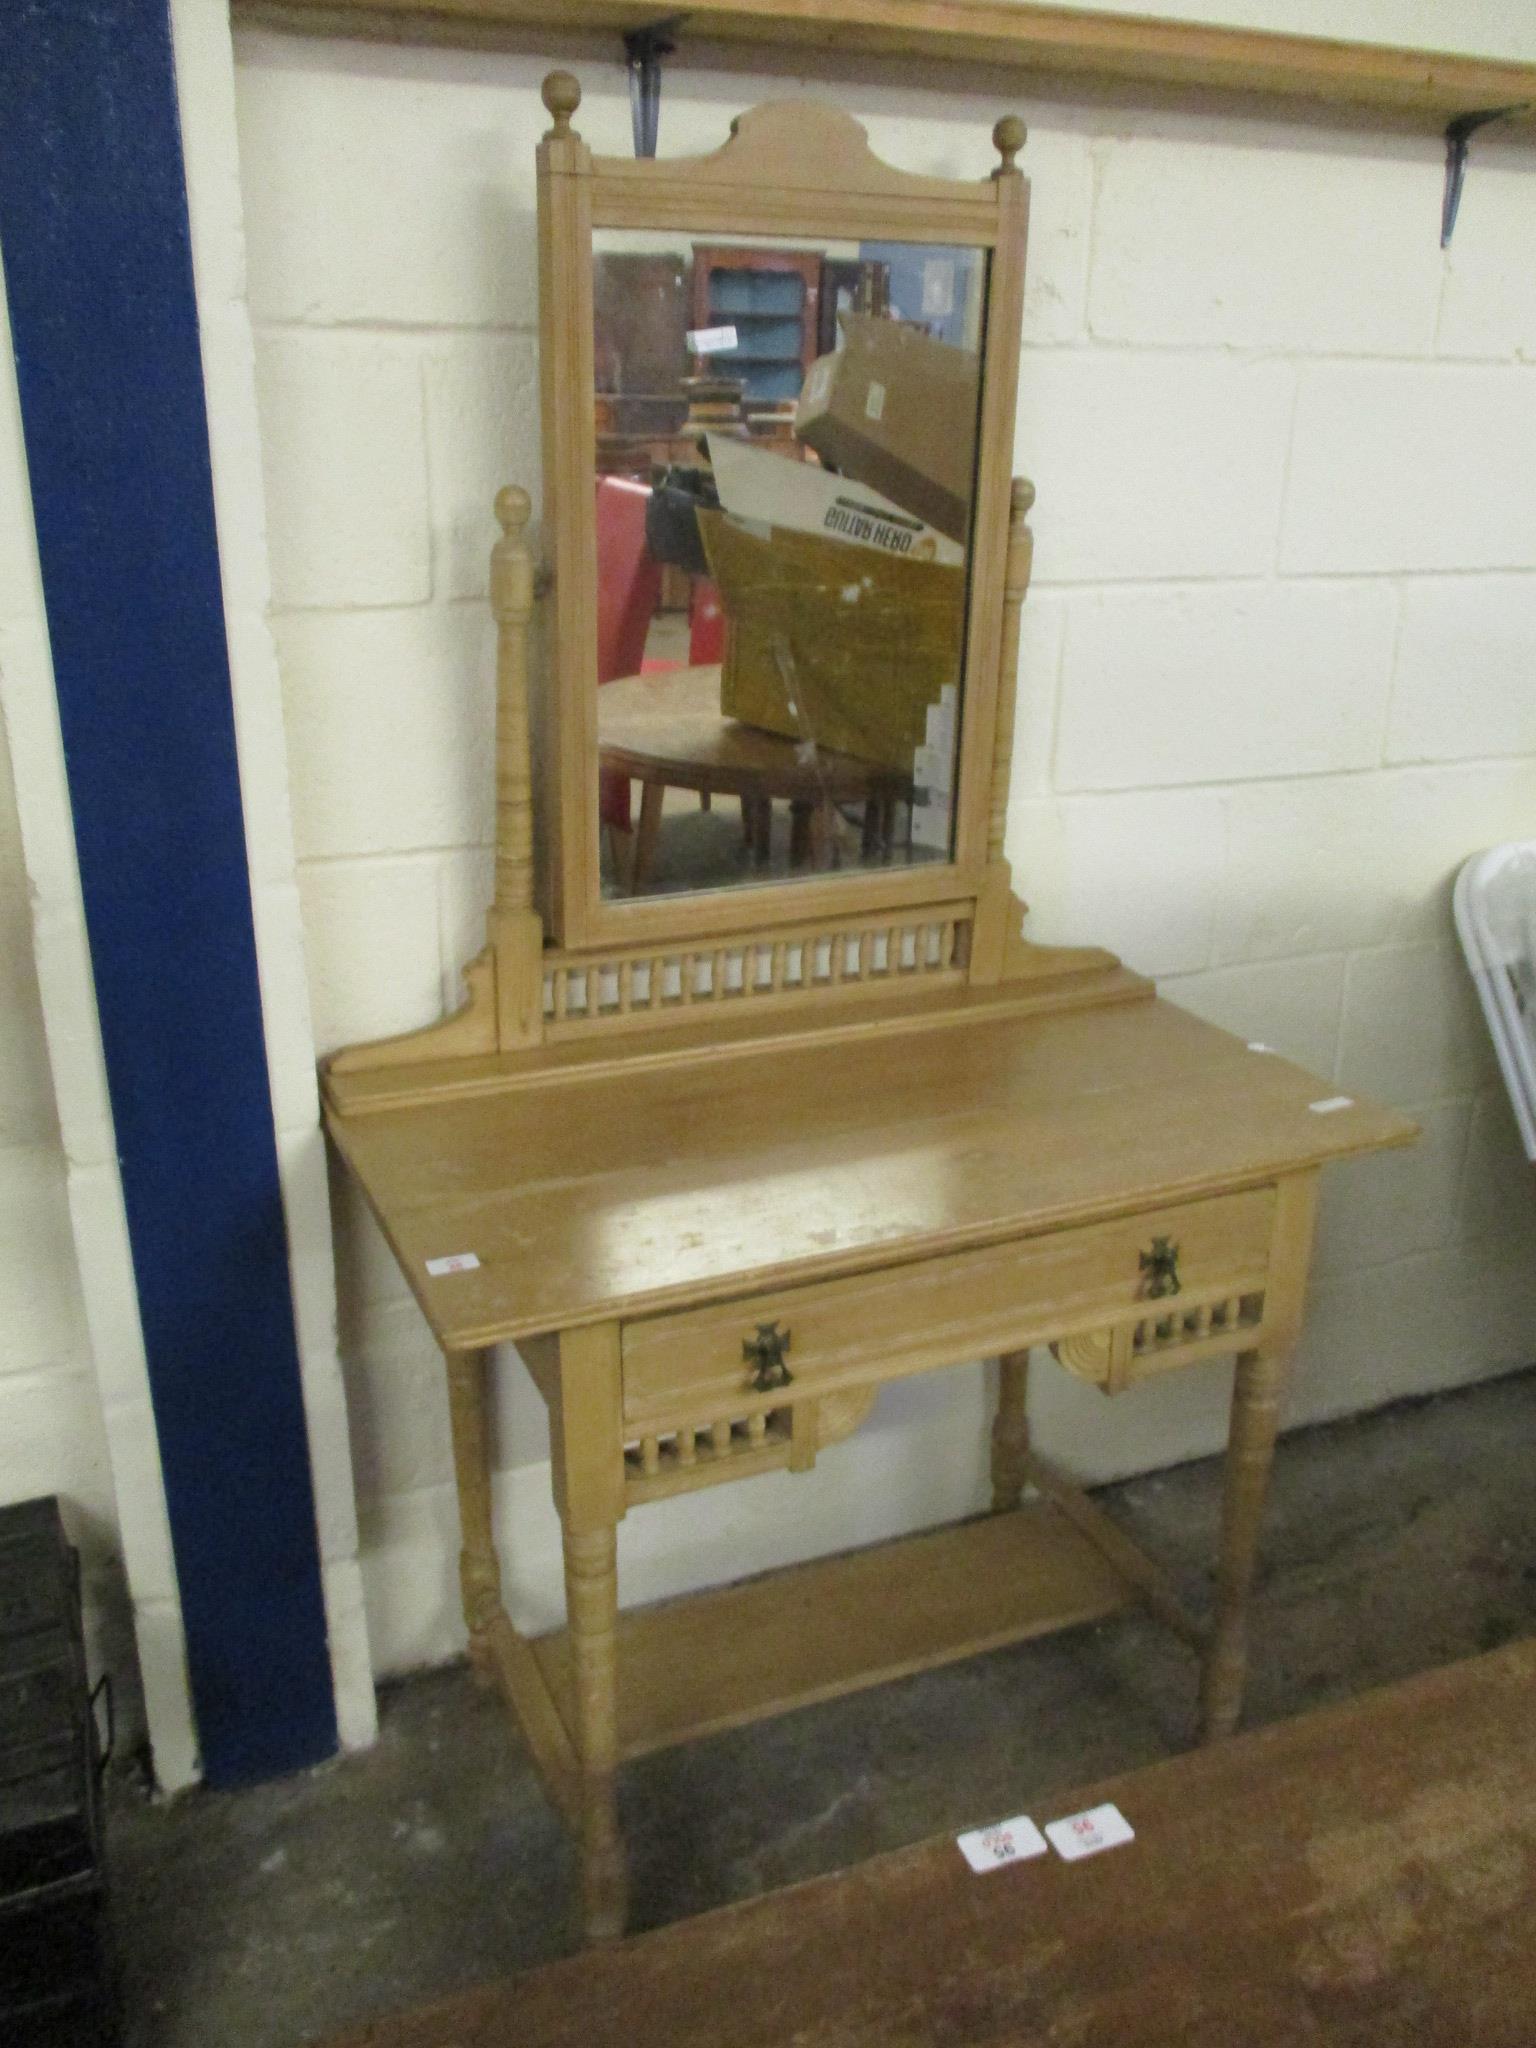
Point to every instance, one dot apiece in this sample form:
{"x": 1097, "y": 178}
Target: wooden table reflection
{"x": 666, "y": 730}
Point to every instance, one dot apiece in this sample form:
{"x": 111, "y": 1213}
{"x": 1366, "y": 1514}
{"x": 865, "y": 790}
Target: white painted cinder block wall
{"x": 52, "y": 1438}
{"x": 75, "y": 1407}
{"x": 1278, "y": 678}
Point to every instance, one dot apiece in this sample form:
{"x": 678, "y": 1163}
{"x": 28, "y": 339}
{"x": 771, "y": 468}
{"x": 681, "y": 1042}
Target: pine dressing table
{"x": 722, "y": 1162}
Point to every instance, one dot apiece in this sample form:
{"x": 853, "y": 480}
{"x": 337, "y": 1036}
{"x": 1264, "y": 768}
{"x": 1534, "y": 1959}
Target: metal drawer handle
{"x": 765, "y": 1353}
{"x": 1161, "y": 1267}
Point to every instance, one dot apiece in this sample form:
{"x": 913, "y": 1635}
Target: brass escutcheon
{"x": 1161, "y": 1267}
{"x": 765, "y": 1353}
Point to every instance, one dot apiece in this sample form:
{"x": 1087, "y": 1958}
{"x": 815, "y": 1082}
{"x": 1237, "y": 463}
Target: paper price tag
{"x": 1330, "y": 1103}
{"x": 1006, "y": 1841}
{"x": 938, "y": 288}
{"x": 709, "y": 341}
{"x": 456, "y": 1262}
{"x": 874, "y": 402}
{"x": 1085, "y": 1834}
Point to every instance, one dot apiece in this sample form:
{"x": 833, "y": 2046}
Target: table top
{"x": 628, "y": 1190}
{"x": 670, "y": 724}
{"x": 1359, "y": 1876}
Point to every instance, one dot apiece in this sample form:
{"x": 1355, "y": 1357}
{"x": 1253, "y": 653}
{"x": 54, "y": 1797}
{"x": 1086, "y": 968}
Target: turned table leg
{"x": 1256, "y": 1391}
{"x": 647, "y": 832}
{"x": 591, "y": 1594}
{"x": 479, "y": 1572}
{"x": 1010, "y": 1431}
{"x": 587, "y": 1438}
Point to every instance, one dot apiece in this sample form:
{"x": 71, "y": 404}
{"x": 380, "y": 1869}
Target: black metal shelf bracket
{"x": 644, "y": 49}
{"x": 1458, "y": 139}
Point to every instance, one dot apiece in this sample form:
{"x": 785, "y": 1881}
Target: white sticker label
{"x": 709, "y": 341}
{"x": 1006, "y": 1841}
{"x": 1085, "y": 1834}
{"x": 456, "y": 1262}
{"x": 938, "y": 287}
{"x": 874, "y": 402}
{"x": 1255, "y": 1046}
{"x": 819, "y": 382}
{"x": 1330, "y": 1103}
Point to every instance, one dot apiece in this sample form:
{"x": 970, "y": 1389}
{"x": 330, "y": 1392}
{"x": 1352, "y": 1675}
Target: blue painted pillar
{"x": 95, "y": 239}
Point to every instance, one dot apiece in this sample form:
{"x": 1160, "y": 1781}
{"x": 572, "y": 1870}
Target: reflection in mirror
{"x": 786, "y": 453}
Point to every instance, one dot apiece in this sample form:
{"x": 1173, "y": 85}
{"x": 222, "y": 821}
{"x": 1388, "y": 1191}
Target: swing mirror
{"x": 785, "y": 457}
{"x": 778, "y": 393}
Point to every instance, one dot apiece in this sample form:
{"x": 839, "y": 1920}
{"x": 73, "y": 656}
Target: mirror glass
{"x": 786, "y": 454}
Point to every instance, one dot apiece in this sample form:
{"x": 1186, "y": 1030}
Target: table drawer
{"x": 943, "y": 1311}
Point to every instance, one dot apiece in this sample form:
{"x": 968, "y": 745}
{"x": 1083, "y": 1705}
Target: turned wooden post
{"x": 1010, "y": 1431}
{"x": 996, "y": 907}
{"x": 1021, "y": 558}
{"x": 479, "y": 1571}
{"x": 512, "y": 608}
{"x": 515, "y": 932}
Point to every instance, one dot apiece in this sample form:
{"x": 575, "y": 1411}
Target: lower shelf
{"x": 715, "y": 1660}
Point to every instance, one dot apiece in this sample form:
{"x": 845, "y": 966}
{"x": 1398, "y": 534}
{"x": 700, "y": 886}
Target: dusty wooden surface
{"x": 1361, "y": 1877}
{"x": 629, "y": 1193}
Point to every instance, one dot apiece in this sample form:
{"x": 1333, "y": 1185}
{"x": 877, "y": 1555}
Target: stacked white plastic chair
{"x": 1496, "y": 916}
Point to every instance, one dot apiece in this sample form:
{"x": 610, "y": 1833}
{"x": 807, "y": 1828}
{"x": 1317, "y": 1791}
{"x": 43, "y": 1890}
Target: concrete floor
{"x": 267, "y": 1918}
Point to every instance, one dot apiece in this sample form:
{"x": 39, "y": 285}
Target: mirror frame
{"x": 790, "y": 168}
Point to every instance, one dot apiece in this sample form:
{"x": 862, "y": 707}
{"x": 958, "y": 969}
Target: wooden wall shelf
{"x": 1063, "y": 42}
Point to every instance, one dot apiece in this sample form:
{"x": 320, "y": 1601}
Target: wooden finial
{"x": 1020, "y": 499}
{"x": 561, "y": 94}
{"x": 1008, "y": 138}
{"x": 514, "y": 506}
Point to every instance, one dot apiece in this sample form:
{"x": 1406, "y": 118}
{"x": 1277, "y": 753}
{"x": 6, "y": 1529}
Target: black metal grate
{"x": 56, "y": 1974}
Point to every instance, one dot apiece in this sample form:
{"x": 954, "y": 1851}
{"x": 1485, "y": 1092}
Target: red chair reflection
{"x": 628, "y": 591}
